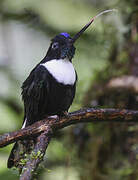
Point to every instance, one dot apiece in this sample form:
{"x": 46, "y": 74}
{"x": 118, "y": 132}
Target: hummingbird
{"x": 50, "y": 87}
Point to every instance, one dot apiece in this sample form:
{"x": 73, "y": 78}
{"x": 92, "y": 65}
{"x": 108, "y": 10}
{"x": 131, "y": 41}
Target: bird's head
{"x": 61, "y": 47}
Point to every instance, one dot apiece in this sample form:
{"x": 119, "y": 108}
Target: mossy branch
{"x": 83, "y": 115}
{"x": 45, "y": 128}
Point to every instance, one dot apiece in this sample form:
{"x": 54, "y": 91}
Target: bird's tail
{"x": 19, "y": 151}
{"x": 15, "y": 155}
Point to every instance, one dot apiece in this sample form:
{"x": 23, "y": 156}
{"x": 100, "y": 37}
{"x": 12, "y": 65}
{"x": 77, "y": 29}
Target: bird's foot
{"x": 53, "y": 117}
{"x": 64, "y": 114}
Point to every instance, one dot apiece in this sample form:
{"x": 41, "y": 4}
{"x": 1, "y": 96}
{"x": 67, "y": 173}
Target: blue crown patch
{"x": 65, "y": 34}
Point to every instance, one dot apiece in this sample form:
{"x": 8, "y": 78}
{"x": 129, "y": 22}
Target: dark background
{"x": 107, "y": 64}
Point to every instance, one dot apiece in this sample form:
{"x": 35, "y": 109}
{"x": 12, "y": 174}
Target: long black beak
{"x": 81, "y": 31}
{"x": 87, "y": 25}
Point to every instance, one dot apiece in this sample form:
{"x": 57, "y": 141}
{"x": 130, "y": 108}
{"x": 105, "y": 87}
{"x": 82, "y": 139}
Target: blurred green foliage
{"x": 90, "y": 152}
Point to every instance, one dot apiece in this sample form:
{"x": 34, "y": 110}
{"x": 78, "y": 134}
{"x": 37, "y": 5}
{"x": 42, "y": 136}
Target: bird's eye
{"x": 55, "y": 45}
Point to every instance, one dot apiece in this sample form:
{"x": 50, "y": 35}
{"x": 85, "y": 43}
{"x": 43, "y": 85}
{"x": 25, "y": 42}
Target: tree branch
{"x": 37, "y": 155}
{"x": 44, "y": 129}
{"x": 83, "y": 115}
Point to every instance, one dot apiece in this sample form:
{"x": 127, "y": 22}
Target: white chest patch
{"x": 62, "y": 70}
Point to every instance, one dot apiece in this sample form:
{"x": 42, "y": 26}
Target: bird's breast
{"x": 62, "y": 70}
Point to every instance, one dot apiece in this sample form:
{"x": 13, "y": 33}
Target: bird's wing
{"x": 34, "y": 93}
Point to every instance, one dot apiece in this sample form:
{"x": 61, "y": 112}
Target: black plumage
{"x": 46, "y": 94}
{"x": 43, "y": 94}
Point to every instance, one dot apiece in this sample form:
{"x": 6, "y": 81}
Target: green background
{"x": 105, "y": 51}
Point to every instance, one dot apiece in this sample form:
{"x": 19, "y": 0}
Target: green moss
{"x": 36, "y": 155}
{"x": 23, "y": 162}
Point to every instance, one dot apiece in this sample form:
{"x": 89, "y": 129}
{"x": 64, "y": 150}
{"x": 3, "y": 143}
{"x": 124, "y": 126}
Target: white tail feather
{"x": 24, "y": 124}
